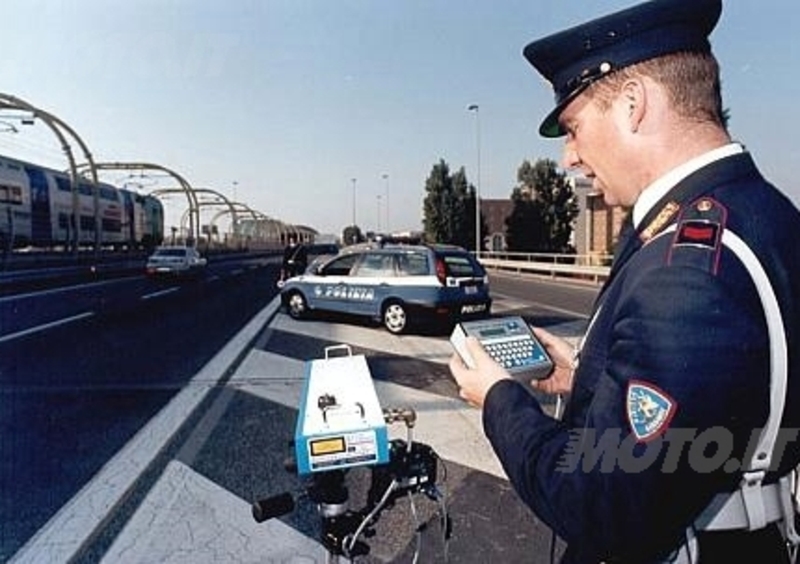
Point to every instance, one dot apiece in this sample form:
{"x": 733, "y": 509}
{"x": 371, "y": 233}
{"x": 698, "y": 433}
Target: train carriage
{"x": 37, "y": 203}
{"x": 15, "y": 204}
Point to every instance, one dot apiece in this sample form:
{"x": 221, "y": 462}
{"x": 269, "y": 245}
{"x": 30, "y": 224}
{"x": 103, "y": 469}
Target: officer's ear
{"x": 633, "y": 101}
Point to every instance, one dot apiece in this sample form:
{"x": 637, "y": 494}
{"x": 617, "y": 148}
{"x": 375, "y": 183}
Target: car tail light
{"x": 441, "y": 271}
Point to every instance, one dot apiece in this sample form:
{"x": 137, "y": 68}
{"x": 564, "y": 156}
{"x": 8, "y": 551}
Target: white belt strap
{"x": 729, "y": 511}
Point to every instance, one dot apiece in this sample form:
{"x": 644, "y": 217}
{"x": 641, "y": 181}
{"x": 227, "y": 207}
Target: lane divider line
{"x": 45, "y": 326}
{"x": 159, "y": 293}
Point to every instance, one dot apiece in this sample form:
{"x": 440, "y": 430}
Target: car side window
{"x": 376, "y": 265}
{"x": 412, "y": 264}
{"x": 340, "y": 266}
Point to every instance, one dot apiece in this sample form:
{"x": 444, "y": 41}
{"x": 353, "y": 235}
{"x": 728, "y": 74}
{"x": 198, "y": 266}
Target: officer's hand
{"x": 561, "y": 352}
{"x": 475, "y": 382}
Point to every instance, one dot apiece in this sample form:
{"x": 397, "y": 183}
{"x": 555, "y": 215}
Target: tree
{"x": 439, "y": 204}
{"x": 544, "y": 209}
{"x": 352, "y": 234}
{"x": 523, "y": 231}
{"x": 463, "y": 211}
{"x": 449, "y": 207}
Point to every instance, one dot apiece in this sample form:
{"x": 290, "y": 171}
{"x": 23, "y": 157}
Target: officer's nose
{"x": 570, "y": 159}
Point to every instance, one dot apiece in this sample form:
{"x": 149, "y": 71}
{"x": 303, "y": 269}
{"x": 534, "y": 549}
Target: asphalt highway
{"x": 78, "y": 394}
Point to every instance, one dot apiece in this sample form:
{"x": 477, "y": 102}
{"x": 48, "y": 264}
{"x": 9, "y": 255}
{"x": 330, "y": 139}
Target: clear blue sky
{"x": 285, "y": 101}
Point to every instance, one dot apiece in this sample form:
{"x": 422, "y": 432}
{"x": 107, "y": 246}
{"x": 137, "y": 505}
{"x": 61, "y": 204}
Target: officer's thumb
{"x": 476, "y": 350}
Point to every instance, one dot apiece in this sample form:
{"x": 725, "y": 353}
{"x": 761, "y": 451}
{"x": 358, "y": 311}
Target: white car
{"x": 175, "y": 260}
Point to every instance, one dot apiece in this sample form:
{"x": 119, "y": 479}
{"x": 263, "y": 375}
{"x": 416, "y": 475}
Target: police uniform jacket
{"x": 674, "y": 371}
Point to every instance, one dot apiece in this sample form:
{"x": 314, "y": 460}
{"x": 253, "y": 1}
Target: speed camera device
{"x": 340, "y": 423}
{"x": 342, "y": 426}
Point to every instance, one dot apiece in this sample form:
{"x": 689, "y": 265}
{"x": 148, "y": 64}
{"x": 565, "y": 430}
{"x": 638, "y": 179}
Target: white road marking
{"x": 45, "y": 326}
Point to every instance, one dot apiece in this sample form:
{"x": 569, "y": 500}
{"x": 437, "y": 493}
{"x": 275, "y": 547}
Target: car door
{"x": 370, "y": 282}
{"x": 328, "y": 288}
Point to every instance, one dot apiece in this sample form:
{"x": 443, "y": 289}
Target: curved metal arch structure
{"x": 219, "y": 199}
{"x": 304, "y": 233}
{"x": 264, "y": 228}
{"x": 185, "y": 187}
{"x": 196, "y": 193}
{"x": 247, "y": 224}
{"x": 8, "y": 101}
{"x": 258, "y": 227}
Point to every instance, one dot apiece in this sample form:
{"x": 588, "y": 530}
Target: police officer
{"x": 684, "y": 398}
{"x": 295, "y": 259}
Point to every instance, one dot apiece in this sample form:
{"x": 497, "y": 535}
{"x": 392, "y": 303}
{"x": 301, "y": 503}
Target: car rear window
{"x": 462, "y": 265}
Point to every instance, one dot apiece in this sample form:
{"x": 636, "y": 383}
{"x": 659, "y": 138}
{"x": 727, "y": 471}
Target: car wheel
{"x": 296, "y": 305}
{"x": 394, "y": 317}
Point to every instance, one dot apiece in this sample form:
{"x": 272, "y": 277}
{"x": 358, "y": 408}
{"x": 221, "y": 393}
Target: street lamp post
{"x": 386, "y": 178}
{"x": 353, "y": 180}
{"x": 474, "y": 108}
{"x": 379, "y": 214}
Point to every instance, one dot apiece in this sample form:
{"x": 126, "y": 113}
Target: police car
{"x": 396, "y": 285}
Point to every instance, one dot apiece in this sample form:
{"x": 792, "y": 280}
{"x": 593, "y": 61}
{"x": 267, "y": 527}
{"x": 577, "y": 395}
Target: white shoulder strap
{"x": 778, "y": 354}
{"x": 778, "y": 357}
{"x": 755, "y": 505}
{"x": 753, "y": 495}
{"x": 757, "y": 513}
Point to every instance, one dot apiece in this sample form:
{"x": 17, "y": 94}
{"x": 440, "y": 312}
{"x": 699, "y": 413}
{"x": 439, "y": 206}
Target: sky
{"x": 319, "y": 112}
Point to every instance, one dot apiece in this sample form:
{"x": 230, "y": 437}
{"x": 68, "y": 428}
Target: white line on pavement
{"x": 45, "y": 326}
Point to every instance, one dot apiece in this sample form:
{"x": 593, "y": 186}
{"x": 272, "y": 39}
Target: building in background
{"x": 495, "y": 213}
{"x": 594, "y": 233}
{"x": 597, "y": 225}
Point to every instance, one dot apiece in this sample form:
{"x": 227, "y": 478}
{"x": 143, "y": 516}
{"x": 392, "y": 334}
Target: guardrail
{"x": 594, "y": 267}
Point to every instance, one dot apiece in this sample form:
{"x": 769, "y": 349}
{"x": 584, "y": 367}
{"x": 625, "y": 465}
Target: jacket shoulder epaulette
{"x": 697, "y": 240}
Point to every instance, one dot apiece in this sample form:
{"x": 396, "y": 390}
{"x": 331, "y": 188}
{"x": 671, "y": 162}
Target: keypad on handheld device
{"x": 514, "y": 353}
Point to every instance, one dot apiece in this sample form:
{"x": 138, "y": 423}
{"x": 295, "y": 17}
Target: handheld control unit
{"x": 509, "y": 341}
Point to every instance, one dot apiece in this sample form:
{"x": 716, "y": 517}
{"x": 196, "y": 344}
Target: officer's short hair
{"x": 691, "y": 80}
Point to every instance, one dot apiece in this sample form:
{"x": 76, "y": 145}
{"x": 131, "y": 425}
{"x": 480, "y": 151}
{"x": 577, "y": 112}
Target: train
{"x": 37, "y": 211}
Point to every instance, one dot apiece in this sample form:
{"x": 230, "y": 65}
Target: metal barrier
{"x": 594, "y": 268}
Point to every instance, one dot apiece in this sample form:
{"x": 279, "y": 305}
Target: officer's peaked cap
{"x": 572, "y": 59}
